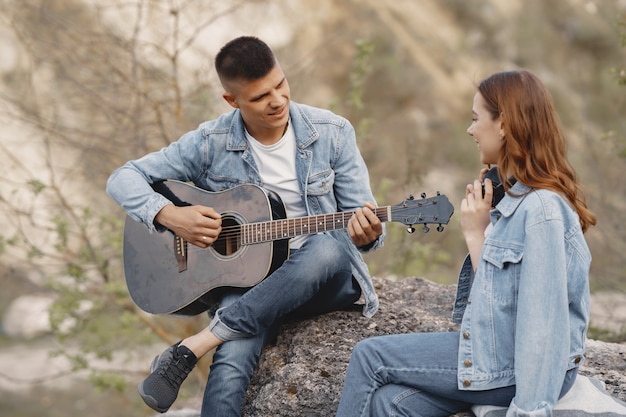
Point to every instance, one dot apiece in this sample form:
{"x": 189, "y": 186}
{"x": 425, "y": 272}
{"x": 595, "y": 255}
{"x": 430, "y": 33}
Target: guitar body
{"x": 159, "y": 282}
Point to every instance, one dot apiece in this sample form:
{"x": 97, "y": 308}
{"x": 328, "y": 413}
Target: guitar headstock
{"x": 431, "y": 210}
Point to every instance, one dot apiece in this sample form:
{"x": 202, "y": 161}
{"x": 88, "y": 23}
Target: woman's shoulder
{"x": 545, "y": 197}
{"x": 544, "y": 205}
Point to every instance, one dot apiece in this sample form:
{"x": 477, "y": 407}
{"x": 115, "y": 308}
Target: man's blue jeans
{"x": 317, "y": 278}
{"x": 414, "y": 375}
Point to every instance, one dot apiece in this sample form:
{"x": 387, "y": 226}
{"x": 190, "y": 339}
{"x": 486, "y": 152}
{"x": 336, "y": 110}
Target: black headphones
{"x": 498, "y": 188}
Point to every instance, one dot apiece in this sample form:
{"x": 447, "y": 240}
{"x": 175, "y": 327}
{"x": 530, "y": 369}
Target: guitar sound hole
{"x": 229, "y": 241}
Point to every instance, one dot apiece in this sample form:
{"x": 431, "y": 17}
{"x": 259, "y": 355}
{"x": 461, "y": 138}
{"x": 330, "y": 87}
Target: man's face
{"x": 264, "y": 104}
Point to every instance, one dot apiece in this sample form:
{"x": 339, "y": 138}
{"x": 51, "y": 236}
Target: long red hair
{"x": 534, "y": 149}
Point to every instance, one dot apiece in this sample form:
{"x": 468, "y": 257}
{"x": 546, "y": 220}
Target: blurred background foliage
{"x": 87, "y": 85}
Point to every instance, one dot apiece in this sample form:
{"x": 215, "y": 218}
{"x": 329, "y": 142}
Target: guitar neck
{"x": 252, "y": 233}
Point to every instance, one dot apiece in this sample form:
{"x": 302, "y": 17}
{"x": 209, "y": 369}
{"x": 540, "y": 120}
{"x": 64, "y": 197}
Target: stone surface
{"x": 302, "y": 374}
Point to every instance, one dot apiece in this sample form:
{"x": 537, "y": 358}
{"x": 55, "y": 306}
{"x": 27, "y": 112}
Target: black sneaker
{"x": 168, "y": 371}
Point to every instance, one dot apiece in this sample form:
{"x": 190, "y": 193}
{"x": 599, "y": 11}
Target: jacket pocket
{"x": 220, "y": 182}
{"x": 500, "y": 256}
{"x": 503, "y": 266}
{"x": 321, "y": 183}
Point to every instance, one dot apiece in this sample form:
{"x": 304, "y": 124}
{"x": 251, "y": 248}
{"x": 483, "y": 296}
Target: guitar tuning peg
{"x": 440, "y": 228}
{"x": 410, "y": 197}
{"x": 423, "y": 195}
{"x": 425, "y": 229}
{"x": 410, "y": 229}
{"x": 438, "y": 193}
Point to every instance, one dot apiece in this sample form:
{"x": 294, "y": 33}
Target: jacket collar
{"x": 301, "y": 124}
{"x": 507, "y": 206}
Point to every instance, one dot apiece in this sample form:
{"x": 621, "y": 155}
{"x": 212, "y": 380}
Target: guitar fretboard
{"x": 287, "y": 228}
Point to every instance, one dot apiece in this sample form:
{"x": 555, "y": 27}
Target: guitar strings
{"x": 235, "y": 231}
{"x": 292, "y": 223}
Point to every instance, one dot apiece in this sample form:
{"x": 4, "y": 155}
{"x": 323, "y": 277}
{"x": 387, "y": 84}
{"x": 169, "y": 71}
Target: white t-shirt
{"x": 277, "y": 168}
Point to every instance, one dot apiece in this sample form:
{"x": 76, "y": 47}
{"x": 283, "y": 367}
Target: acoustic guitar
{"x": 166, "y": 275}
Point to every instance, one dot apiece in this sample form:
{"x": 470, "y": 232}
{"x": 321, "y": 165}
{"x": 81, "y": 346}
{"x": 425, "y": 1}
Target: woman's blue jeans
{"x": 413, "y": 375}
{"x": 316, "y": 279}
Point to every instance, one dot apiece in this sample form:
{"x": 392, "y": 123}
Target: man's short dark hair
{"x": 246, "y": 57}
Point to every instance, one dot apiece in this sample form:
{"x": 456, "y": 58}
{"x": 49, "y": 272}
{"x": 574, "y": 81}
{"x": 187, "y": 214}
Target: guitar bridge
{"x": 180, "y": 246}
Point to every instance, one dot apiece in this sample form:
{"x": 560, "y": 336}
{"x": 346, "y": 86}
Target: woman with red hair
{"x": 523, "y": 292}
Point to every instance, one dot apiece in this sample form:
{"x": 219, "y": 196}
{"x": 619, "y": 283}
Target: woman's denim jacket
{"x": 216, "y": 156}
{"x": 524, "y": 311}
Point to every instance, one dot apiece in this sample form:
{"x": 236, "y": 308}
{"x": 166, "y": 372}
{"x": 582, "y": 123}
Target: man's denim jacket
{"x": 216, "y": 156}
{"x": 524, "y": 312}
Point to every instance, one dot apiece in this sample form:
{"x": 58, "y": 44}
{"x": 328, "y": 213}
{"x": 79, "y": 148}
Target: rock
{"x": 302, "y": 374}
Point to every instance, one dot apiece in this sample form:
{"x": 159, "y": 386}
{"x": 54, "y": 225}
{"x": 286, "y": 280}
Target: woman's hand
{"x": 475, "y": 210}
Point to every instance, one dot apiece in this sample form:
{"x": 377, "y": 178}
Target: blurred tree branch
{"x": 86, "y": 95}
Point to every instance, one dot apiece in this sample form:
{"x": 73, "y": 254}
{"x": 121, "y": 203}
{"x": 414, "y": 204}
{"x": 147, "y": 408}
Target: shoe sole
{"x": 150, "y": 401}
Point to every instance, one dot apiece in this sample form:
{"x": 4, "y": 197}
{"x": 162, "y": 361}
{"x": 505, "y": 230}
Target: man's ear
{"x": 230, "y": 100}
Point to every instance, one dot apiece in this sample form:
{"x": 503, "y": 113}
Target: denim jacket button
{"x": 466, "y": 335}
{"x": 467, "y": 382}
{"x": 577, "y": 360}
{"x": 467, "y": 363}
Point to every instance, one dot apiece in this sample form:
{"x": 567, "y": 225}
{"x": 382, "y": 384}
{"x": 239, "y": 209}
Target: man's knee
{"x": 242, "y": 354}
{"x": 327, "y": 250}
